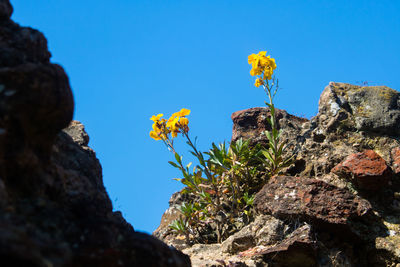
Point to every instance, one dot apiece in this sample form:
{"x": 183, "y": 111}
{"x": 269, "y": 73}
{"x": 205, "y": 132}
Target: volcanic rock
{"x": 395, "y": 153}
{"x": 265, "y": 230}
{"x": 311, "y": 200}
{"x": 365, "y": 108}
{"x": 298, "y": 249}
{"x": 367, "y": 169}
{"x": 251, "y": 124}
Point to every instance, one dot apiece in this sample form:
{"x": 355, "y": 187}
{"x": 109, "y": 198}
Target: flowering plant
{"x": 221, "y": 187}
{"x": 222, "y": 192}
{"x": 263, "y": 67}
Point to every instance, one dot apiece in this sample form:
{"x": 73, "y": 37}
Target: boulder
{"x": 373, "y": 109}
{"x": 311, "y": 200}
{"x": 366, "y": 169}
{"x": 251, "y": 123}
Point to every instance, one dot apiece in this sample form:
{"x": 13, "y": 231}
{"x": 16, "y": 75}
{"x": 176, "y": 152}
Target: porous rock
{"x": 367, "y": 169}
{"x": 395, "y": 153}
{"x": 265, "y": 230}
{"x": 366, "y": 108}
{"x": 310, "y": 200}
{"x": 298, "y": 249}
{"x": 250, "y": 124}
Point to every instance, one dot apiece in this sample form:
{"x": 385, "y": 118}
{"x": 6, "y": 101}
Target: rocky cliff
{"x": 54, "y": 209}
{"x": 338, "y": 204}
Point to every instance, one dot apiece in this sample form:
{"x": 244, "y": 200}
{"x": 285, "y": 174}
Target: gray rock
{"x": 265, "y": 230}
{"x": 370, "y": 108}
{"x": 77, "y": 131}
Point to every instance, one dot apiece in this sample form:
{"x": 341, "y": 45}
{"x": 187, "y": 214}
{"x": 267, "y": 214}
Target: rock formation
{"x": 54, "y": 209}
{"x": 338, "y": 204}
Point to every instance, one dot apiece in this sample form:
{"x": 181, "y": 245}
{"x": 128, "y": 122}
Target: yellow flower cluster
{"x": 262, "y": 65}
{"x": 177, "y": 123}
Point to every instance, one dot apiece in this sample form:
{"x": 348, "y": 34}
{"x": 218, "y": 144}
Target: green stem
{"x": 206, "y": 170}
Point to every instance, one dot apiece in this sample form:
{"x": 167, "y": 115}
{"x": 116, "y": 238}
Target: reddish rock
{"x": 251, "y": 123}
{"x": 311, "y": 200}
{"x": 367, "y": 169}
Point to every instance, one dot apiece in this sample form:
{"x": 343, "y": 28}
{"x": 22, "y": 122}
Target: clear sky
{"x": 130, "y": 59}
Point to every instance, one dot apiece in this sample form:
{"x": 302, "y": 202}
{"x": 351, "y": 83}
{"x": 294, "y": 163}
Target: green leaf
{"x": 174, "y": 164}
{"x": 178, "y": 158}
{"x": 269, "y": 137}
{"x": 267, "y": 155}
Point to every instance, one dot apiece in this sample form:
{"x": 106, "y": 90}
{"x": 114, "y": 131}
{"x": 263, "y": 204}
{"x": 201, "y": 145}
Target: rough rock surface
{"x": 264, "y": 231}
{"x": 368, "y": 169}
{"x": 370, "y": 108}
{"x": 395, "y": 154}
{"x": 54, "y": 209}
{"x": 349, "y": 226}
{"x": 311, "y": 200}
{"x": 251, "y": 124}
{"x": 298, "y": 249}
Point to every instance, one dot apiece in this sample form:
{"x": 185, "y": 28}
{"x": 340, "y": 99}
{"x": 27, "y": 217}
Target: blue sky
{"x": 128, "y": 60}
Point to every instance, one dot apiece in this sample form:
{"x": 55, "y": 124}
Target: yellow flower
{"x": 154, "y": 135}
{"x": 172, "y": 123}
{"x": 258, "y": 82}
{"x": 156, "y": 127}
{"x": 183, "y": 112}
{"x": 255, "y": 71}
{"x": 268, "y": 74}
{"x": 183, "y": 122}
{"x": 261, "y": 64}
{"x": 156, "y": 118}
{"x": 253, "y": 58}
{"x": 272, "y": 63}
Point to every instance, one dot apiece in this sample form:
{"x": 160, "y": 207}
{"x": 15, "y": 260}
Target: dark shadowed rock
{"x": 54, "y": 209}
{"x": 366, "y": 169}
{"x": 6, "y": 9}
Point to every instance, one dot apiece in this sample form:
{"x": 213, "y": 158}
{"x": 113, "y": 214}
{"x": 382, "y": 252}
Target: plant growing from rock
{"x": 220, "y": 184}
{"x": 263, "y": 68}
{"x": 223, "y": 185}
